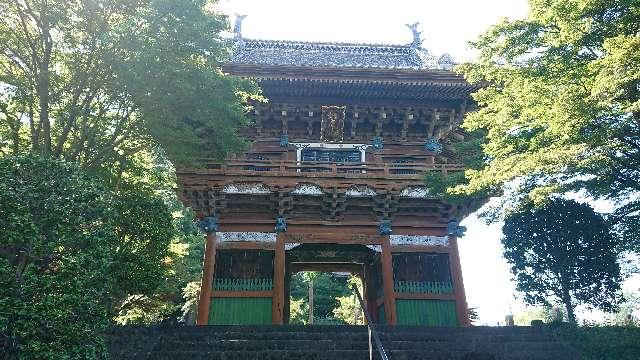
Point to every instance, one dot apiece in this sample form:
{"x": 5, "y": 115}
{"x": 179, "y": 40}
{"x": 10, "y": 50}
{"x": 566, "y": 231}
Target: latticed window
{"x": 257, "y": 159}
{"x": 331, "y": 156}
{"x": 398, "y": 166}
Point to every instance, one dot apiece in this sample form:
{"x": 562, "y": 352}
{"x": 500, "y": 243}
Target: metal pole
{"x": 371, "y": 326}
{"x": 311, "y": 302}
{"x": 370, "y": 345}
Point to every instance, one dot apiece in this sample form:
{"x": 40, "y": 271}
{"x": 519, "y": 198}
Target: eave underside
{"x": 355, "y": 85}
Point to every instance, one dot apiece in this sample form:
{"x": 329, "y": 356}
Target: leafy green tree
{"x": 98, "y": 81}
{"x": 298, "y": 311}
{"x": 43, "y": 203}
{"x": 326, "y": 289}
{"x": 348, "y": 310}
{"x": 56, "y": 260}
{"x": 629, "y": 312}
{"x": 474, "y": 317}
{"x": 561, "y": 105}
{"x": 144, "y": 229}
{"x": 103, "y": 84}
{"x": 562, "y": 251}
{"x": 465, "y": 148}
{"x": 175, "y": 297}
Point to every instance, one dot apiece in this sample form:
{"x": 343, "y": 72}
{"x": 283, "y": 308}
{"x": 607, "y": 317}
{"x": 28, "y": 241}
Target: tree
{"x": 327, "y": 288}
{"x": 561, "y": 106}
{"x": 348, "y": 310}
{"x": 119, "y": 87}
{"x": 474, "y": 317}
{"x": 298, "y": 311}
{"x": 143, "y": 227}
{"x": 565, "y": 251}
{"x": 628, "y": 313}
{"x": 98, "y": 81}
{"x": 56, "y": 260}
{"x": 176, "y": 294}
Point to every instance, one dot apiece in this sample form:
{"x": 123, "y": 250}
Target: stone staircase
{"x": 334, "y": 343}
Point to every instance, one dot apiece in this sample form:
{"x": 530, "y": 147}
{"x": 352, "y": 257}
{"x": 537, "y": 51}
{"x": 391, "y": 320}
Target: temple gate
{"x": 334, "y": 181}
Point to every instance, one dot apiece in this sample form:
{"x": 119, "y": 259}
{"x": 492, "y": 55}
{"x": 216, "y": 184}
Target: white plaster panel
{"x": 419, "y": 240}
{"x": 420, "y": 192}
{"x": 246, "y": 236}
{"x": 360, "y": 191}
{"x": 307, "y": 189}
{"x": 246, "y": 188}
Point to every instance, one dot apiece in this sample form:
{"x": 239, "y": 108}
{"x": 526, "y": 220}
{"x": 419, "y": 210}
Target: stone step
{"x": 255, "y": 345}
{"x": 349, "y": 355}
{"x": 332, "y": 342}
{"x": 345, "y": 344}
{"x": 302, "y": 338}
{"x": 328, "y": 328}
{"x": 416, "y": 334}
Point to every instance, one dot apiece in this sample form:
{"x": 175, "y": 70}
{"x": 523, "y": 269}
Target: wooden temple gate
{"x": 334, "y": 180}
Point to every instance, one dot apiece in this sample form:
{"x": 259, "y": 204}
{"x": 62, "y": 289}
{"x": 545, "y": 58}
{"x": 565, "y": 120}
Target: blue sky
{"x": 447, "y": 27}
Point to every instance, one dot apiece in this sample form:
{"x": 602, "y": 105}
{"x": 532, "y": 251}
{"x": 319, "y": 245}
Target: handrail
{"x": 371, "y": 327}
{"x": 299, "y": 168}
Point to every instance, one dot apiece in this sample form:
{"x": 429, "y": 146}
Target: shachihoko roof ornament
{"x": 237, "y": 27}
{"x": 412, "y": 56}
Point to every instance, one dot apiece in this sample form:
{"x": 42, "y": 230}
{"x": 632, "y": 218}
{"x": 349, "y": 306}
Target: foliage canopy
{"x": 561, "y": 104}
{"x": 98, "y": 81}
{"x": 103, "y": 93}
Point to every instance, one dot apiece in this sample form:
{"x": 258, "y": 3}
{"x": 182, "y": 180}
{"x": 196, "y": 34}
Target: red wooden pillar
{"x": 287, "y": 293}
{"x": 277, "y": 306}
{"x": 369, "y": 292}
{"x": 387, "y": 283}
{"x": 458, "y": 286}
{"x": 208, "y": 269}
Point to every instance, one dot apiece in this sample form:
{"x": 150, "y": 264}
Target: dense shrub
{"x": 603, "y": 342}
{"x": 55, "y": 256}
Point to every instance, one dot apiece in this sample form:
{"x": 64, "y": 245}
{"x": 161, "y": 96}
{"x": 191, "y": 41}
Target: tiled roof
{"x": 317, "y": 54}
{"x": 357, "y": 91}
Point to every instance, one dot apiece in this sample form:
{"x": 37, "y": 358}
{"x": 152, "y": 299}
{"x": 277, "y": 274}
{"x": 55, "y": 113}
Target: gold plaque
{"x": 332, "y": 125}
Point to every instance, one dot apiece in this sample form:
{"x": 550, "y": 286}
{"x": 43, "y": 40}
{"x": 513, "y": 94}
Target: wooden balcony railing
{"x": 321, "y": 169}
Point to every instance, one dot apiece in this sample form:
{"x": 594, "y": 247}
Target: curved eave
{"x": 368, "y": 74}
{"x": 358, "y": 91}
{"x": 356, "y": 84}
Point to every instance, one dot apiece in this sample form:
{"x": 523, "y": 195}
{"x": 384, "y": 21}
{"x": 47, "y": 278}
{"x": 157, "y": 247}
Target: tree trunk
{"x": 566, "y": 300}
{"x": 43, "y": 96}
{"x": 44, "y": 82}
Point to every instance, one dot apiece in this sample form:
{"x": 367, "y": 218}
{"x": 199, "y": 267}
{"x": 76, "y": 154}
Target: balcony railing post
{"x": 288, "y": 168}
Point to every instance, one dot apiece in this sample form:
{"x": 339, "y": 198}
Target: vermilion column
{"x": 387, "y": 283}
{"x": 277, "y": 306}
{"x": 458, "y": 286}
{"x": 208, "y": 269}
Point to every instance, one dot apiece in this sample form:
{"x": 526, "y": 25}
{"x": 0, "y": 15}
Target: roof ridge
{"x": 331, "y": 54}
{"x": 328, "y": 43}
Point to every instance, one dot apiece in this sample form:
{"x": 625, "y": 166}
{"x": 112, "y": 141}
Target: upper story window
{"x": 331, "y": 155}
{"x": 400, "y": 165}
{"x": 322, "y": 155}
